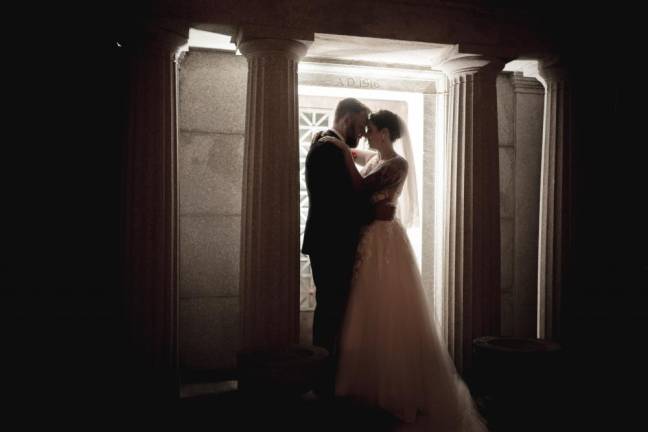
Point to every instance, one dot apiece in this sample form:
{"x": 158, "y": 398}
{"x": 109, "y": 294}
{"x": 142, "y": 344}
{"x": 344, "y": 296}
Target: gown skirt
{"x": 391, "y": 354}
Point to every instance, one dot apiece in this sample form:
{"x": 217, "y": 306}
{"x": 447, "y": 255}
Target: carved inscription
{"x": 357, "y": 82}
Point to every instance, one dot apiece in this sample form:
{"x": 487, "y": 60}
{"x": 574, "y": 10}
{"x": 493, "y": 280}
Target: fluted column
{"x": 473, "y": 236}
{"x": 150, "y": 210}
{"x": 555, "y": 196}
{"x": 269, "y": 283}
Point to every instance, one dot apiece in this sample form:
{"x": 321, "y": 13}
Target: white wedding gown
{"x": 391, "y": 354}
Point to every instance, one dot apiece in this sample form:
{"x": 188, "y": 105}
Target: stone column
{"x": 150, "y": 211}
{"x": 555, "y": 196}
{"x": 473, "y": 265}
{"x": 269, "y": 282}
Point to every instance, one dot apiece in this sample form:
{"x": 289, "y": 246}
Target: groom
{"x": 335, "y": 215}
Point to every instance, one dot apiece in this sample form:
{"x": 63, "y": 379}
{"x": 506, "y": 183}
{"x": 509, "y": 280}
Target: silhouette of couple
{"x": 371, "y": 312}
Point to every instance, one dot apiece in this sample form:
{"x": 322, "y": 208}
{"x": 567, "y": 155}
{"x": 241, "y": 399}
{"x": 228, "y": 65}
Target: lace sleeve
{"x": 370, "y": 166}
{"x": 392, "y": 173}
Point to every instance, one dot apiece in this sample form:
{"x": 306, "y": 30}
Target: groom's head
{"x": 351, "y": 120}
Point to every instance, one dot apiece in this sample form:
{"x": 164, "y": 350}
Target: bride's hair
{"x": 386, "y": 119}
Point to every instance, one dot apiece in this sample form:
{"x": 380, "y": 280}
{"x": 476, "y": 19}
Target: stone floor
{"x": 232, "y": 410}
{"x": 577, "y": 402}
{"x": 225, "y": 403}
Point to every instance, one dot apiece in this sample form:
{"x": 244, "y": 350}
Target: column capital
{"x": 253, "y": 40}
{"x": 469, "y": 64}
{"x": 278, "y": 47}
{"x": 552, "y": 68}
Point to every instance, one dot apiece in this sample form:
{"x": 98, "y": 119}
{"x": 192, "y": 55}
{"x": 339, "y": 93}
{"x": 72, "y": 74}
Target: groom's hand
{"x": 384, "y": 211}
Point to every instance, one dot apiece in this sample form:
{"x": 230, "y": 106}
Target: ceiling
{"x": 355, "y": 49}
{"x": 362, "y": 50}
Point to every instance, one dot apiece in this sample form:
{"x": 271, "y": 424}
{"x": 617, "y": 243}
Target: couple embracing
{"x": 371, "y": 312}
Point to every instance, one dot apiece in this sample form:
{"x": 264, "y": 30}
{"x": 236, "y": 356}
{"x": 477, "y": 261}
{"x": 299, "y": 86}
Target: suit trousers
{"x": 332, "y": 273}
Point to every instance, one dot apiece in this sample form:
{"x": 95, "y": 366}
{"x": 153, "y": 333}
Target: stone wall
{"x": 212, "y": 95}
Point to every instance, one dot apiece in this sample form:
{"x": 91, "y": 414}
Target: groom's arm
{"x": 338, "y": 180}
{"x": 369, "y": 212}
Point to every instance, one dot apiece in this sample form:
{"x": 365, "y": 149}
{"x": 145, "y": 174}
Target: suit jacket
{"x": 336, "y": 212}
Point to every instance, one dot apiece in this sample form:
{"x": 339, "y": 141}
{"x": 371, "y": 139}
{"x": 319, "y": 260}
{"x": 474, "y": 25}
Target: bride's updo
{"x": 386, "y": 119}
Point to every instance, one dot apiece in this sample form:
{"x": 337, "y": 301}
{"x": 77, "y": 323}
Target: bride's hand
{"x": 383, "y": 210}
{"x": 339, "y": 144}
{"x": 316, "y": 136}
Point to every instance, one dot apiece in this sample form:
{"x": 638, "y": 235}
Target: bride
{"x": 391, "y": 354}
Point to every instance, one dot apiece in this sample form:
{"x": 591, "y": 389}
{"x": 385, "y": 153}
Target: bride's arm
{"x": 360, "y": 184}
{"x": 382, "y": 210}
{"x": 356, "y": 178}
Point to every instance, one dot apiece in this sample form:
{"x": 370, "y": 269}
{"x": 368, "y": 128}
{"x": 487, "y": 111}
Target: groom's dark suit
{"x": 335, "y": 215}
